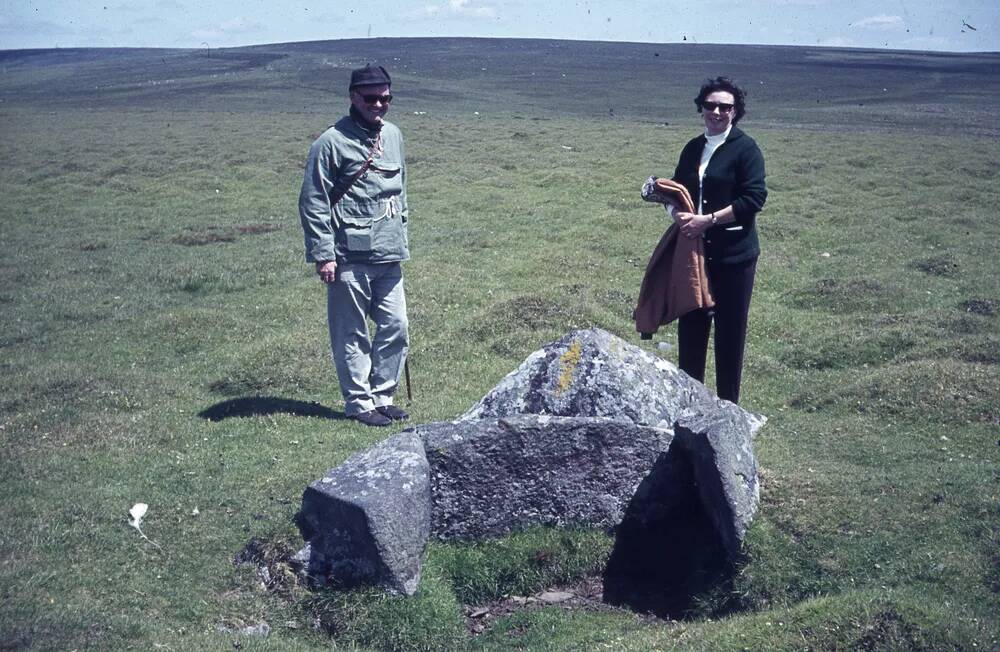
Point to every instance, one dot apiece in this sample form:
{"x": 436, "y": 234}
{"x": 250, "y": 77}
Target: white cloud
{"x": 455, "y": 8}
{"x": 145, "y": 6}
{"x": 836, "y": 42}
{"x": 881, "y": 21}
{"x": 232, "y": 27}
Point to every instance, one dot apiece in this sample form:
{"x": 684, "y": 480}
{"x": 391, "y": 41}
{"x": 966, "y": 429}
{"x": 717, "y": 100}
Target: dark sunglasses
{"x": 372, "y": 99}
{"x": 722, "y": 106}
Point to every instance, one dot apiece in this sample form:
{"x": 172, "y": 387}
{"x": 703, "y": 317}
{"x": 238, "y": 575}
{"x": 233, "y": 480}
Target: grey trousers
{"x": 368, "y": 369}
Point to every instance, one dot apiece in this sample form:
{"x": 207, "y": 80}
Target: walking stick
{"x": 406, "y": 372}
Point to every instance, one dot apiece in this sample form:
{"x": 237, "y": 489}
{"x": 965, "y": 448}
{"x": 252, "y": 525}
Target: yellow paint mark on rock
{"x": 568, "y": 361}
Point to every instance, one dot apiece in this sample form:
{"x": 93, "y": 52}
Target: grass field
{"x": 162, "y": 340}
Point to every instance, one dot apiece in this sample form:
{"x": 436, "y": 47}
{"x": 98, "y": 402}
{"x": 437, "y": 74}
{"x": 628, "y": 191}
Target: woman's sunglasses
{"x": 722, "y": 106}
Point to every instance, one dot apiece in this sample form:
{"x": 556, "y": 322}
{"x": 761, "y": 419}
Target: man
{"x": 353, "y": 211}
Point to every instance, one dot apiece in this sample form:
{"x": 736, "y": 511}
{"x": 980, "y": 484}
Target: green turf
{"x": 162, "y": 340}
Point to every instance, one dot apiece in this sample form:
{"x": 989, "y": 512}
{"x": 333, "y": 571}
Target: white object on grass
{"x": 137, "y": 512}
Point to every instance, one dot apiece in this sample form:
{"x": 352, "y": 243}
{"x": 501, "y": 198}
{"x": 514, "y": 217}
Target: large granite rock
{"x": 594, "y": 373}
{"x": 589, "y": 430}
{"x": 368, "y": 520}
{"x": 492, "y": 476}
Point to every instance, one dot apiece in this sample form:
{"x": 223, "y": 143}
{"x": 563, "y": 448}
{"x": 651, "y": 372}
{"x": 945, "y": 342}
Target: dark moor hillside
{"x": 813, "y": 88}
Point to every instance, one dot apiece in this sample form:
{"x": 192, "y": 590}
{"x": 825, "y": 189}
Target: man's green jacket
{"x": 368, "y": 225}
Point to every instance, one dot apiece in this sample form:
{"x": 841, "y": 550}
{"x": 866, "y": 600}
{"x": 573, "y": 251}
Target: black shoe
{"x": 393, "y": 412}
{"x": 372, "y": 418}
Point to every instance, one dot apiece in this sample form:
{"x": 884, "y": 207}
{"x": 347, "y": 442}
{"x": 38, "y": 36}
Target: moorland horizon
{"x": 686, "y": 44}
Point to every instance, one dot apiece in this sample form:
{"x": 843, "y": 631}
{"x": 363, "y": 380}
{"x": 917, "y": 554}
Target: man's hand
{"x": 691, "y": 224}
{"x": 327, "y": 271}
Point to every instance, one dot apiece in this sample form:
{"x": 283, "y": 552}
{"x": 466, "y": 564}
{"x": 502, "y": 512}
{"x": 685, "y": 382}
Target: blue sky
{"x": 955, "y": 25}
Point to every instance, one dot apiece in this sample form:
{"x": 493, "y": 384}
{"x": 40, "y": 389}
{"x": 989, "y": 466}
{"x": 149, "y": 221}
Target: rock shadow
{"x": 251, "y": 406}
{"x": 339, "y": 571}
{"x": 666, "y": 550}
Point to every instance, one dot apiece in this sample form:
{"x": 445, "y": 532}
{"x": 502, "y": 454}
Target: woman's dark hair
{"x": 723, "y": 84}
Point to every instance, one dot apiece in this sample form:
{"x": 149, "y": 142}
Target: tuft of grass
{"x": 276, "y": 366}
{"x": 426, "y": 622}
{"x": 833, "y": 351}
{"x": 209, "y": 237}
{"x": 531, "y": 312}
{"x": 843, "y": 295}
{"x": 984, "y": 350}
{"x": 520, "y": 564}
{"x": 979, "y": 306}
{"x": 937, "y": 266}
{"x": 257, "y": 228}
{"x": 944, "y": 390}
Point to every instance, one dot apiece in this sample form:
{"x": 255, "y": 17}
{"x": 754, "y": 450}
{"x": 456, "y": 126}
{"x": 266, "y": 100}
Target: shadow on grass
{"x": 252, "y": 406}
{"x": 665, "y": 563}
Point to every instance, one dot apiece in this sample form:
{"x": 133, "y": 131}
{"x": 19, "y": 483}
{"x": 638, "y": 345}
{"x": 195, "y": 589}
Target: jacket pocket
{"x": 356, "y": 219}
{"x": 385, "y": 170}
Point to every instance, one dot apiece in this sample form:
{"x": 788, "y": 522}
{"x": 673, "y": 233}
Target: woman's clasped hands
{"x": 692, "y": 225}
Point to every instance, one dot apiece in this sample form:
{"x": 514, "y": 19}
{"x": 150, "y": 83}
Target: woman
{"x": 723, "y": 170}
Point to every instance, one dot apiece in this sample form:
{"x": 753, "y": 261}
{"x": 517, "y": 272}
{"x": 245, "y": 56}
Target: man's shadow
{"x": 252, "y": 406}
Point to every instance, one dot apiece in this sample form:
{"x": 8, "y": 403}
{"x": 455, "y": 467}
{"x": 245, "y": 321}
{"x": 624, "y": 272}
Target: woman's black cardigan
{"x": 735, "y": 175}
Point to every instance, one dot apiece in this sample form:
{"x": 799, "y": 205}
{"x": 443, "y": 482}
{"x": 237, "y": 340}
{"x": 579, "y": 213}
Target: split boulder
{"x": 589, "y": 430}
{"x": 592, "y": 373}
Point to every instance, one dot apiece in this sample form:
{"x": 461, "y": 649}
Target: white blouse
{"x": 712, "y": 144}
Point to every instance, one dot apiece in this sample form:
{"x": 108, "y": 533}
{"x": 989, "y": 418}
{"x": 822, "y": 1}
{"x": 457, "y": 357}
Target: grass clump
{"x": 531, "y": 312}
{"x": 276, "y": 366}
{"x": 208, "y": 237}
{"x": 945, "y": 389}
{"x": 426, "y": 622}
{"x": 454, "y": 574}
{"x": 937, "y": 266}
{"x": 841, "y": 295}
{"x": 832, "y": 350}
{"x": 520, "y": 564}
{"x": 979, "y": 306}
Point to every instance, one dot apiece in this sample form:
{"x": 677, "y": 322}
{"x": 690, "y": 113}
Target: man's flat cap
{"x": 369, "y": 76}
